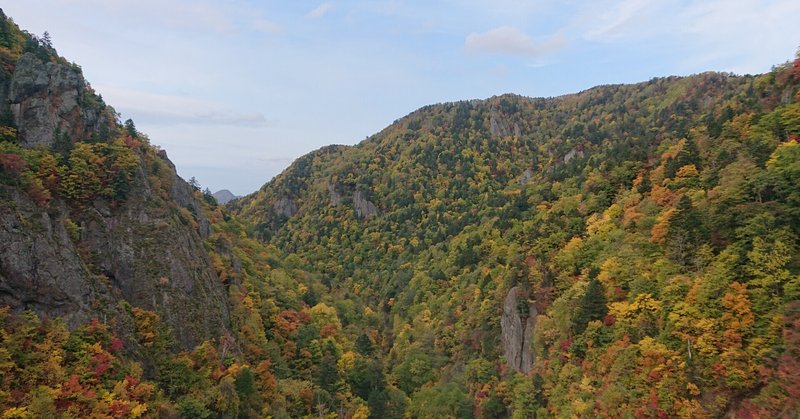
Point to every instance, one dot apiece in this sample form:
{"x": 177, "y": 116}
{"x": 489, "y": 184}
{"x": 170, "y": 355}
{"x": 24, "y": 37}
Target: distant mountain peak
{"x": 224, "y": 196}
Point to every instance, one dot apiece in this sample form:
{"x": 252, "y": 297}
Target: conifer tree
{"x": 592, "y": 306}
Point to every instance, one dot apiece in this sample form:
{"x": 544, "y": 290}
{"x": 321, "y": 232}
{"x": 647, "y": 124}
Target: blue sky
{"x": 235, "y": 90}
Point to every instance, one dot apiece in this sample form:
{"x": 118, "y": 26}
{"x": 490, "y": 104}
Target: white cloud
{"x": 608, "y": 22}
{"x": 742, "y": 34}
{"x": 163, "y": 109}
{"x": 502, "y": 9}
{"x": 726, "y": 35}
{"x": 320, "y": 10}
{"x": 510, "y": 40}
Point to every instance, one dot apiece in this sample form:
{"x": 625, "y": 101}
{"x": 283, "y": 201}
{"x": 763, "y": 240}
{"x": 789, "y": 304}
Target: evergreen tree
{"x": 5, "y": 31}
{"x": 328, "y": 372}
{"x": 209, "y": 197}
{"x": 591, "y": 307}
{"x": 130, "y": 128}
{"x": 688, "y": 155}
{"x": 686, "y": 232}
{"x": 364, "y": 345}
{"x": 46, "y": 40}
{"x": 194, "y": 183}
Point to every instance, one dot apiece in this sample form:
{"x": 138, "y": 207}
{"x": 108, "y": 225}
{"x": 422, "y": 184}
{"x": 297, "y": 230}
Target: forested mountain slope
{"x": 626, "y": 251}
{"x": 631, "y": 249}
{"x": 113, "y": 297}
{"x": 92, "y": 214}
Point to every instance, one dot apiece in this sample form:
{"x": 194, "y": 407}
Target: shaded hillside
{"x": 642, "y": 234}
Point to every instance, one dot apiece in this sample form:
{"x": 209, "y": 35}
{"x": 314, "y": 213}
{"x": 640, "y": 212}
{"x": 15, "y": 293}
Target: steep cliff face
{"x": 363, "y": 206}
{"x": 48, "y": 100}
{"x": 151, "y": 252}
{"x": 95, "y": 258}
{"x": 81, "y": 263}
{"x": 285, "y": 207}
{"x": 40, "y": 266}
{"x": 518, "y": 323}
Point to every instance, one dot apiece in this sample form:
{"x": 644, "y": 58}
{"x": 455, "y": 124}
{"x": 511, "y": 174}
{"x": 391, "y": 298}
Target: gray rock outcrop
{"x": 141, "y": 252}
{"x": 525, "y": 177}
{"x": 364, "y": 208}
{"x": 50, "y": 99}
{"x": 573, "y": 153}
{"x": 40, "y": 267}
{"x": 83, "y": 261}
{"x": 155, "y": 260}
{"x": 334, "y": 195}
{"x": 502, "y": 128}
{"x": 517, "y": 327}
{"x": 285, "y": 207}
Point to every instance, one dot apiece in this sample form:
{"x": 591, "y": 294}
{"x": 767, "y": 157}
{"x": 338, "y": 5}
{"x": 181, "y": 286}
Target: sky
{"x": 235, "y": 90}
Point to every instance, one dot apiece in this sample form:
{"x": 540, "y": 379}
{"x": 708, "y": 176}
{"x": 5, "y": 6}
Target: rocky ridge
{"x": 90, "y": 260}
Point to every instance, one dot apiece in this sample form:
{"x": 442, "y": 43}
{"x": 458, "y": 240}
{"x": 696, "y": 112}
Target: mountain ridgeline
{"x": 630, "y": 250}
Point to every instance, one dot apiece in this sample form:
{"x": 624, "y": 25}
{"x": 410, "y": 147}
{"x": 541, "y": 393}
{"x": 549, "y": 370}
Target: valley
{"x": 625, "y": 251}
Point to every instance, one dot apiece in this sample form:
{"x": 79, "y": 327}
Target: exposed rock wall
{"x": 143, "y": 251}
{"x": 502, "y": 128}
{"x": 40, "y": 267}
{"x": 363, "y": 206}
{"x": 525, "y": 177}
{"x": 156, "y": 260}
{"x": 573, "y": 153}
{"x": 49, "y": 99}
{"x": 285, "y": 207}
{"x": 517, "y": 331}
{"x": 334, "y": 195}
{"x": 146, "y": 250}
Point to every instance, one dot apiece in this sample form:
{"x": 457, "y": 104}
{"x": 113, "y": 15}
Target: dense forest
{"x": 647, "y": 231}
{"x": 627, "y": 251}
